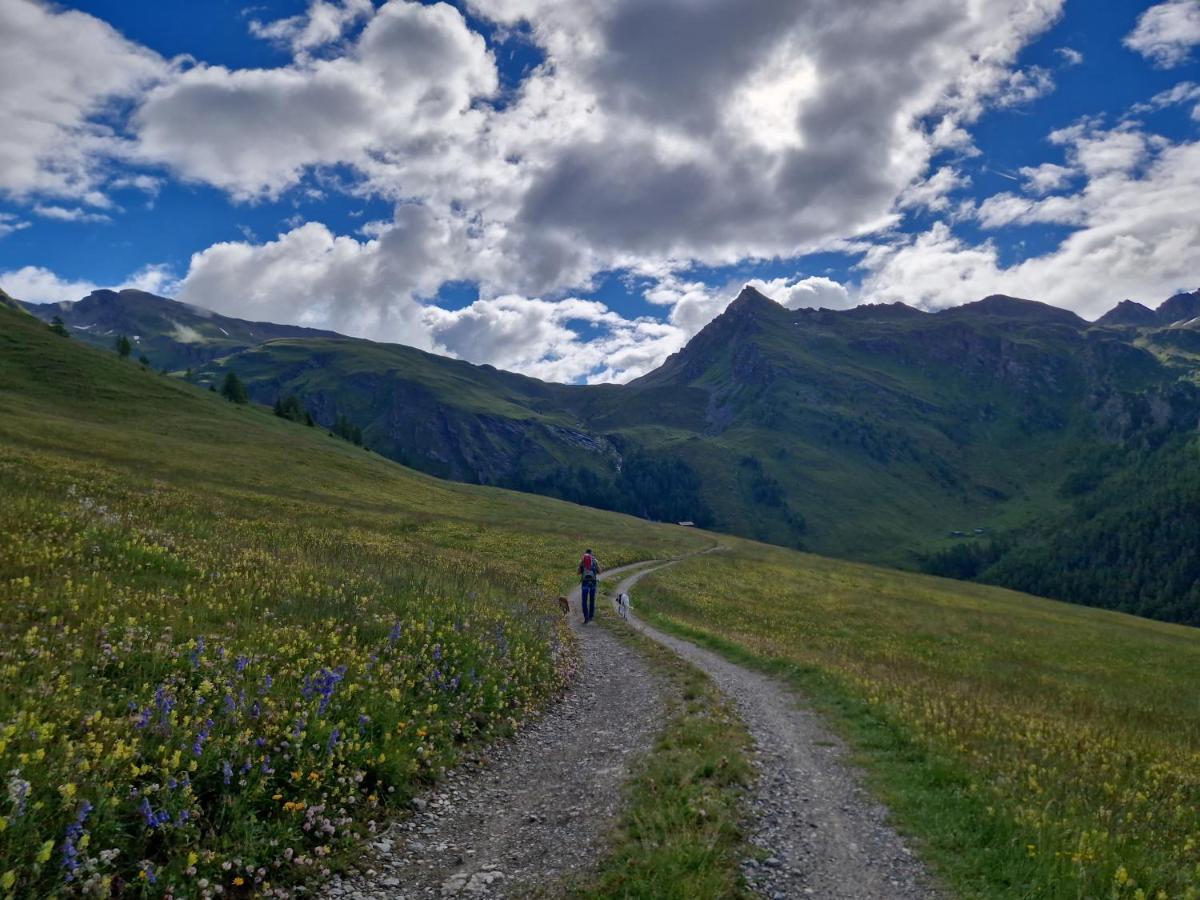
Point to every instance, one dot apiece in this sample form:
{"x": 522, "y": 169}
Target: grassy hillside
{"x": 1040, "y": 749}
{"x": 884, "y": 434}
{"x": 230, "y": 641}
{"x": 1128, "y": 541}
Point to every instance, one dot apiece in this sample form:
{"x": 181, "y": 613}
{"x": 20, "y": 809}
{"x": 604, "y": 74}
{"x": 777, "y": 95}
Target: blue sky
{"x": 573, "y": 192}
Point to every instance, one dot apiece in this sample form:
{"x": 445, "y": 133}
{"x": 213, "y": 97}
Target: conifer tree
{"x": 233, "y": 390}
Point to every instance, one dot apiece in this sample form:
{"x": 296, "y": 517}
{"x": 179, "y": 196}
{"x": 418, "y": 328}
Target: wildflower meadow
{"x": 232, "y": 646}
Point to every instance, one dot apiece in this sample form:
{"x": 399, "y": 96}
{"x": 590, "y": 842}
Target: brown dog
{"x": 564, "y": 605}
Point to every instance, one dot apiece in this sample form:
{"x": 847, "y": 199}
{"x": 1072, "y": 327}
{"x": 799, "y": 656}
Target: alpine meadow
{"x": 599, "y": 450}
{"x": 231, "y": 643}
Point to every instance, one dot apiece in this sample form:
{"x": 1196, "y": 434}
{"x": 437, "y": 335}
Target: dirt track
{"x": 536, "y": 810}
{"x": 825, "y": 836}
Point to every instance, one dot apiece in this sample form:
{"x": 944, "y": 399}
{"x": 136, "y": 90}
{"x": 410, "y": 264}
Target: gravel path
{"x": 825, "y": 836}
{"x": 536, "y": 809}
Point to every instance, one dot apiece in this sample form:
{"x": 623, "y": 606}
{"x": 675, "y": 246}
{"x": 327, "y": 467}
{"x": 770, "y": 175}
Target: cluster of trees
{"x": 347, "y": 430}
{"x": 662, "y": 488}
{"x": 767, "y": 491}
{"x": 1129, "y": 542}
{"x": 967, "y": 560}
{"x": 290, "y": 408}
{"x": 122, "y": 345}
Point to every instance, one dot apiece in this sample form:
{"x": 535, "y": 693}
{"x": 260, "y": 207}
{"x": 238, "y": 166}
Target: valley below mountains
{"x": 1006, "y": 440}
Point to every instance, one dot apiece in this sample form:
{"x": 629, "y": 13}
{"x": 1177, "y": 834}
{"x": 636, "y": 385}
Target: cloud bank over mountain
{"x": 666, "y": 142}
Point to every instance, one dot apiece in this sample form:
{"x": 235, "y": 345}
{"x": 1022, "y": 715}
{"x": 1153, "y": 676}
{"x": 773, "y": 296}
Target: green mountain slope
{"x": 173, "y": 335}
{"x": 880, "y": 433}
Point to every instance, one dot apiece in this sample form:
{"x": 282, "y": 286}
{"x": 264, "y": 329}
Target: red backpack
{"x": 587, "y": 566}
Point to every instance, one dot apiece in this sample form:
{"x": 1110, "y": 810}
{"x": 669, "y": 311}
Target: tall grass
{"x": 1040, "y": 749}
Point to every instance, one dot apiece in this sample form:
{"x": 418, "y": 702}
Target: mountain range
{"x": 1005, "y": 440}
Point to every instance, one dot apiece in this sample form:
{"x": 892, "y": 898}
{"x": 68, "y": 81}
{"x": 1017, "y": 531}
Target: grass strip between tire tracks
{"x": 681, "y": 835}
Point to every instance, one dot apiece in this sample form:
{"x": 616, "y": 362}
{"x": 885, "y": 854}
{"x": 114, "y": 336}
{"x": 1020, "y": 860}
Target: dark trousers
{"x": 588, "y": 600}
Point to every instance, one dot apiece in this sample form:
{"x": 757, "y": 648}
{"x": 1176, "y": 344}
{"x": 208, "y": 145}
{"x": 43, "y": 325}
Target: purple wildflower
{"x": 164, "y": 702}
{"x": 322, "y": 685}
{"x": 198, "y": 744}
{"x": 70, "y": 850}
{"x": 147, "y": 812}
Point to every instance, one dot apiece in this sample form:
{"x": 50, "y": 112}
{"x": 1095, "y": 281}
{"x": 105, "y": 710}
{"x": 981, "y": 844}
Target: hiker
{"x": 589, "y": 573}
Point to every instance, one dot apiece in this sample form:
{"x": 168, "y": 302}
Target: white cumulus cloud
{"x": 404, "y": 89}
{"x": 1167, "y": 32}
{"x": 60, "y": 71}
{"x": 1137, "y": 235}
{"x": 37, "y": 284}
{"x": 322, "y": 24}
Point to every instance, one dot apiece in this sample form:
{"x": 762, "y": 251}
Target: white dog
{"x": 623, "y": 605}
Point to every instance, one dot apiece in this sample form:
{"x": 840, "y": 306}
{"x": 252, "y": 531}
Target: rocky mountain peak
{"x": 1128, "y": 312}
{"x": 1001, "y": 306}
{"x": 751, "y": 299}
{"x": 1180, "y": 308}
